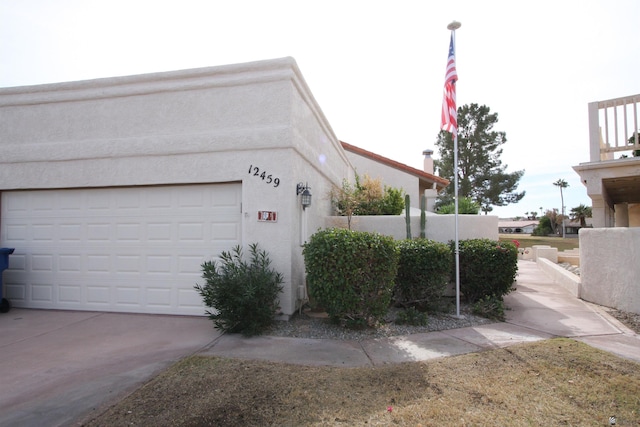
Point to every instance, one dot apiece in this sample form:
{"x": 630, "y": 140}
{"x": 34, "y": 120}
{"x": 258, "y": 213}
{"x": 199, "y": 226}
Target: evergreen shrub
{"x": 487, "y": 268}
{"x": 413, "y": 317}
{"x": 243, "y": 296}
{"x": 424, "y": 270}
{"x": 351, "y": 274}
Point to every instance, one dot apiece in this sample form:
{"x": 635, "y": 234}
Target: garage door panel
{"x": 131, "y": 249}
{"x": 70, "y": 294}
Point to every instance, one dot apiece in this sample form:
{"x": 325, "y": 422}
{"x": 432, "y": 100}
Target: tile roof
{"x": 422, "y": 175}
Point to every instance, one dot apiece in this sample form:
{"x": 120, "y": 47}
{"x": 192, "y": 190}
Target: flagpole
{"x": 453, "y": 26}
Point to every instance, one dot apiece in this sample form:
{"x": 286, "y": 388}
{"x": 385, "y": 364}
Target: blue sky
{"x": 375, "y": 67}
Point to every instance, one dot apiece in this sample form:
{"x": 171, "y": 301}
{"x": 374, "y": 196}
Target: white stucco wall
{"x": 440, "y": 228}
{"x": 205, "y": 125}
{"x": 391, "y": 177}
{"x": 609, "y": 267}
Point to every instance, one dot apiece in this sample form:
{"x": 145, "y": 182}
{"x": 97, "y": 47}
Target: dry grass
{"x": 554, "y": 382}
{"x": 527, "y": 240}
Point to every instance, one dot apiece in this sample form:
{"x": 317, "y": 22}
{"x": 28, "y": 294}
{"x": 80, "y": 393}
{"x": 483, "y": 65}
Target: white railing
{"x": 612, "y": 123}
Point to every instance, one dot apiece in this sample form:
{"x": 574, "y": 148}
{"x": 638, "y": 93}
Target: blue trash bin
{"x": 5, "y": 305}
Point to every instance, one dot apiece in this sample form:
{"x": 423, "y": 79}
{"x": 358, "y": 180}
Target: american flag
{"x": 449, "y": 113}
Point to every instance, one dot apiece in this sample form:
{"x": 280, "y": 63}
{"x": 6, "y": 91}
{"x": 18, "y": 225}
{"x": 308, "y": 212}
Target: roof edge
{"x": 440, "y": 182}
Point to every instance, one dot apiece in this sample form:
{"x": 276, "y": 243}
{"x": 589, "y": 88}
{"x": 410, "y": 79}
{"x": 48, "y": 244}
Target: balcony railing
{"x": 613, "y": 127}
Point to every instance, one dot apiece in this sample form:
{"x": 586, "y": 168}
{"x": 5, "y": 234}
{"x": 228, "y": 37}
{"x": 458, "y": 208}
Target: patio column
{"x": 621, "y": 214}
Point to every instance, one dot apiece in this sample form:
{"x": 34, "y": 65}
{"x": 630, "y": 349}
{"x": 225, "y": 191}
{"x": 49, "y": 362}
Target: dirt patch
{"x": 554, "y": 382}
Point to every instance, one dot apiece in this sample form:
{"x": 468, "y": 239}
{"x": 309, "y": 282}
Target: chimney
{"x": 428, "y": 161}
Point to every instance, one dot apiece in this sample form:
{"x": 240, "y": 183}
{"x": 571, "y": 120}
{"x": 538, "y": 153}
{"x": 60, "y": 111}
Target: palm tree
{"x": 581, "y": 213}
{"x": 562, "y": 184}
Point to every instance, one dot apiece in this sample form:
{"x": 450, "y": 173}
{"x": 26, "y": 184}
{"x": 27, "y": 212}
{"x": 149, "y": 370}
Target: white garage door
{"x": 137, "y": 249}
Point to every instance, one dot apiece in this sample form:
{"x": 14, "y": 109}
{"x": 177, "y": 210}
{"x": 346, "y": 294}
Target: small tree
{"x": 632, "y": 141}
{"x": 561, "y": 183}
{"x": 544, "y": 227}
{"x": 581, "y": 213}
{"x": 367, "y": 197}
{"x": 345, "y": 200}
{"x": 481, "y": 174}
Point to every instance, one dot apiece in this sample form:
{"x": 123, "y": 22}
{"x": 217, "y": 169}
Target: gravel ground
{"x": 313, "y": 325}
{"x": 631, "y": 320}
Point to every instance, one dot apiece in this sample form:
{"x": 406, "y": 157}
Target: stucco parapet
{"x": 142, "y": 84}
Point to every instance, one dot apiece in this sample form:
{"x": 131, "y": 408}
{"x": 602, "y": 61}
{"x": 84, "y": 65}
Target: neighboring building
{"x": 114, "y": 191}
{"x": 573, "y": 228}
{"x": 414, "y": 182}
{"x": 516, "y": 227}
{"x": 613, "y": 184}
{"x": 609, "y": 267}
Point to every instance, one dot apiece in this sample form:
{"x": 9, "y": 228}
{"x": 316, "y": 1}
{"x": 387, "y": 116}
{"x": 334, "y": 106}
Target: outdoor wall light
{"x": 303, "y": 189}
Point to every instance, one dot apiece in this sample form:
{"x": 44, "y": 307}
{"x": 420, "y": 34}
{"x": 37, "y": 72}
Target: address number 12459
{"x": 269, "y": 179}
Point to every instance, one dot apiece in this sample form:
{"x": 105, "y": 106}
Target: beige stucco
{"x": 440, "y": 228}
{"x": 205, "y": 125}
{"x": 390, "y": 176}
{"x": 609, "y": 267}
{"x": 606, "y": 211}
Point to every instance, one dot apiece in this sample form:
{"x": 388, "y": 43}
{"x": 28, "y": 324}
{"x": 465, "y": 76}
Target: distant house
{"x": 571, "y": 227}
{"x": 516, "y": 227}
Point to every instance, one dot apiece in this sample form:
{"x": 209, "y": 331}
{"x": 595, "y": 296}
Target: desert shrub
{"x": 367, "y": 197}
{"x": 489, "y": 307}
{"x": 392, "y": 202}
{"x": 351, "y": 274}
{"x": 243, "y": 295}
{"x": 466, "y": 206}
{"x": 487, "y": 268}
{"x": 412, "y": 316}
{"x": 543, "y": 228}
{"x": 424, "y": 271}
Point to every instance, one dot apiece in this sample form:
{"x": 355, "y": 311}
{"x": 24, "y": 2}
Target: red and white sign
{"x": 267, "y": 216}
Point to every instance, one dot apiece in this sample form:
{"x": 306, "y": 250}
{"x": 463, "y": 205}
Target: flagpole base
{"x": 458, "y": 316}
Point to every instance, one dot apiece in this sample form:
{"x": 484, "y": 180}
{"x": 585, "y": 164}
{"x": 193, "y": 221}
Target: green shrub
{"x": 243, "y": 295}
{"x": 424, "y": 271}
{"x": 543, "y": 228}
{"x": 367, "y": 197}
{"x": 350, "y": 274}
{"x": 466, "y": 206}
{"x": 392, "y": 202}
{"x": 487, "y": 268}
{"x": 489, "y": 307}
{"x": 411, "y": 316}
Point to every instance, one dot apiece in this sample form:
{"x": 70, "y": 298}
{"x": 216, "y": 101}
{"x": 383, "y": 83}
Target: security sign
{"x": 267, "y": 216}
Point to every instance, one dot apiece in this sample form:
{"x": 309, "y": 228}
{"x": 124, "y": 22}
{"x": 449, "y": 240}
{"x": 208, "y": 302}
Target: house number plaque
{"x": 267, "y": 216}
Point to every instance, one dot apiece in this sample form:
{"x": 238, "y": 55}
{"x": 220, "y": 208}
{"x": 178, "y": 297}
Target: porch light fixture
{"x": 303, "y": 189}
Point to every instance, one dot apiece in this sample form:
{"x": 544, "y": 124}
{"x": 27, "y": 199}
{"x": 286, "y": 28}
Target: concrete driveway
{"x": 59, "y": 367}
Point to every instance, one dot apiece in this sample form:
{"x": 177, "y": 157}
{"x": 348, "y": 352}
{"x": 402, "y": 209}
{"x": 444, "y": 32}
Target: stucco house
{"x": 115, "y": 190}
{"x": 609, "y": 269}
{"x": 517, "y": 227}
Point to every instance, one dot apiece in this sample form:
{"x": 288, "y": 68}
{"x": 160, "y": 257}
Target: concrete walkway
{"x": 59, "y": 367}
{"x": 537, "y": 310}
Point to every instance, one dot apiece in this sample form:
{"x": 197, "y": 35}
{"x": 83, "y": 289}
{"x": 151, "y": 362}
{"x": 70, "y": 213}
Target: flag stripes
{"x": 449, "y": 112}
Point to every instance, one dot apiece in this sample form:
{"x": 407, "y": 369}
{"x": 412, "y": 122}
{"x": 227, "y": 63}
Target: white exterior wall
{"x": 609, "y": 267}
{"x": 440, "y": 228}
{"x": 205, "y": 125}
{"x": 390, "y": 176}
